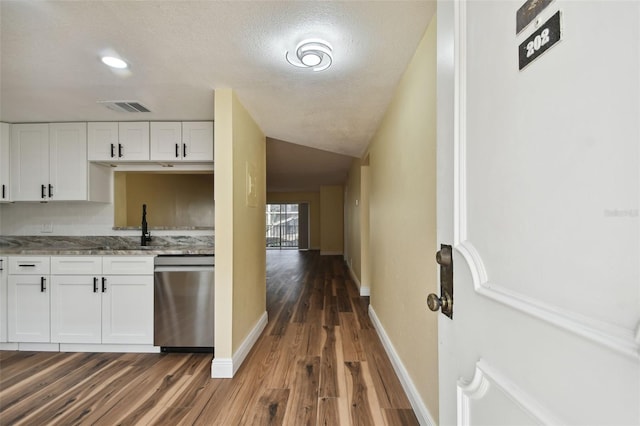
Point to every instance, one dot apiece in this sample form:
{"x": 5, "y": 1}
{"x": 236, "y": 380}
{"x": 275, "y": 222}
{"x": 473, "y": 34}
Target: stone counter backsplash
{"x": 105, "y": 245}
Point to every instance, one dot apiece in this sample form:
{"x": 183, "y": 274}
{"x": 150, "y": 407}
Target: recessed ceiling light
{"x": 114, "y": 62}
{"x": 312, "y": 53}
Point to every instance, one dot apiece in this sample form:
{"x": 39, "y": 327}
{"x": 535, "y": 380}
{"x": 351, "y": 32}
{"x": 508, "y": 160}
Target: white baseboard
{"x": 226, "y": 368}
{"x": 39, "y": 347}
{"x": 364, "y": 291}
{"x": 421, "y": 411}
{"x": 8, "y": 346}
{"x": 78, "y": 347}
{"x": 221, "y": 368}
{"x": 81, "y": 347}
{"x": 330, "y": 253}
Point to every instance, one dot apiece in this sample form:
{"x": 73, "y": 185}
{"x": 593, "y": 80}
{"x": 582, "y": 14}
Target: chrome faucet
{"x": 146, "y": 235}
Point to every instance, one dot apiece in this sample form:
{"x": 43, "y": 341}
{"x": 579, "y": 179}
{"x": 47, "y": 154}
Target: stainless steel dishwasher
{"x": 184, "y": 303}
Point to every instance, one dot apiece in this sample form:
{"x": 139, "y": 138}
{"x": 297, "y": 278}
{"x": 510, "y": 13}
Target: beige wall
{"x": 402, "y": 214}
{"x": 313, "y": 198}
{"x": 240, "y": 196}
{"x": 172, "y": 199}
{"x": 332, "y": 219}
{"x": 353, "y": 212}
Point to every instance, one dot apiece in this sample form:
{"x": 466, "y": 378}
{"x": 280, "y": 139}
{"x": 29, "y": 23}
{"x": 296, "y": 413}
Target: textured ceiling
{"x": 181, "y": 51}
{"x": 294, "y": 167}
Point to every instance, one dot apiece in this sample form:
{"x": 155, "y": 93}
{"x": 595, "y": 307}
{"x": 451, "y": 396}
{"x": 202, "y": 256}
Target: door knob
{"x": 443, "y": 257}
{"x": 435, "y": 303}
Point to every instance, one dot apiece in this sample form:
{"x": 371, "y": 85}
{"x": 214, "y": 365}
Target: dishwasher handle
{"x": 190, "y": 268}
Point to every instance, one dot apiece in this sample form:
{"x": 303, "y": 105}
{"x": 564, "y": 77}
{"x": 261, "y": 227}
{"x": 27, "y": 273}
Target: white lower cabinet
{"x": 110, "y": 309}
{"x": 3, "y": 299}
{"x": 28, "y": 302}
{"x": 127, "y": 309}
{"x": 76, "y": 304}
{"x": 101, "y": 308}
{"x": 83, "y": 304}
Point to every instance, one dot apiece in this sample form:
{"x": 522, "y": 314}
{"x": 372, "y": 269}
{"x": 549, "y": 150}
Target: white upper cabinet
{"x": 102, "y": 141}
{"x": 49, "y": 163}
{"x": 182, "y": 141}
{"x": 197, "y": 136}
{"x": 166, "y": 140}
{"x": 124, "y": 141}
{"x": 5, "y": 189}
{"x": 134, "y": 141}
{"x": 67, "y": 161}
{"x": 29, "y": 162}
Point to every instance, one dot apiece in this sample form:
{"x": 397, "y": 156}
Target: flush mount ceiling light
{"x": 311, "y": 53}
{"x": 114, "y": 62}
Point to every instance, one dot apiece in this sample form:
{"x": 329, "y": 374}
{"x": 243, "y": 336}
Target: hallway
{"x": 319, "y": 361}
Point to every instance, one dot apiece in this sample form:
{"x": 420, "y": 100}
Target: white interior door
{"x": 538, "y": 188}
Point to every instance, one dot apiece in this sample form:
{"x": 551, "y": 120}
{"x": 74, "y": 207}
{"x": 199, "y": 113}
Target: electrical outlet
{"x": 47, "y": 227}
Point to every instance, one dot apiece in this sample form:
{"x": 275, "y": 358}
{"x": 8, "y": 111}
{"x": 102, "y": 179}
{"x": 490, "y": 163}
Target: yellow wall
{"x": 313, "y": 198}
{"x": 172, "y": 199}
{"x": 353, "y": 210}
{"x": 240, "y": 272}
{"x": 402, "y": 199}
{"x": 331, "y": 219}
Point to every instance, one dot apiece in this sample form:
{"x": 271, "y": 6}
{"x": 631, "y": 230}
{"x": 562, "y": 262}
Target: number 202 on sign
{"x": 539, "y": 42}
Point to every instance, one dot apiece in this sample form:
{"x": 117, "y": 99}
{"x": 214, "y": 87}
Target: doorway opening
{"x": 282, "y": 227}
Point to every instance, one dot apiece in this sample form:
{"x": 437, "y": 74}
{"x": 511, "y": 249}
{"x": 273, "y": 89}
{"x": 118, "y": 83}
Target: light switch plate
{"x": 252, "y": 185}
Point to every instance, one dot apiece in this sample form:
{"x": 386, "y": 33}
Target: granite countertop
{"x": 105, "y": 245}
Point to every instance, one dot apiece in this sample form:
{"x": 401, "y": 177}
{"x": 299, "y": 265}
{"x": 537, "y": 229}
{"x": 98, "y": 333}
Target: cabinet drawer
{"x": 127, "y": 265}
{"x": 29, "y": 265}
{"x": 76, "y": 265}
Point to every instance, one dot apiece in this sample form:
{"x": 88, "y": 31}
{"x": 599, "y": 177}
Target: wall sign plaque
{"x": 540, "y": 41}
{"x": 528, "y": 12}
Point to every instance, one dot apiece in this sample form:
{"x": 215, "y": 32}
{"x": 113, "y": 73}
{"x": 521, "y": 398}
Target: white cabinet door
{"x": 102, "y": 141}
{"x": 5, "y": 169}
{"x": 197, "y": 137}
{"x": 67, "y": 161}
{"x": 166, "y": 141}
{"x": 29, "y": 161}
{"x": 127, "y": 265}
{"x": 112, "y": 141}
{"x": 76, "y": 309}
{"x": 28, "y": 308}
{"x": 3, "y": 299}
{"x": 133, "y": 142}
{"x": 127, "y": 309}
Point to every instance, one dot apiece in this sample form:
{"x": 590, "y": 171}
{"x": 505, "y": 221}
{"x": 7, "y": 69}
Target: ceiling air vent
{"x": 125, "y": 106}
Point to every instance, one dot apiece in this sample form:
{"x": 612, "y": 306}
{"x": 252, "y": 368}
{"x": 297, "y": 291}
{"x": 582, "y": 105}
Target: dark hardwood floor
{"x": 318, "y": 362}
